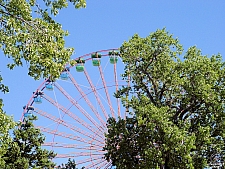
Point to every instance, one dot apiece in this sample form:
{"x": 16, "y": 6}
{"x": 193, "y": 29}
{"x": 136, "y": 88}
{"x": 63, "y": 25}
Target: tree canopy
{"x": 25, "y": 151}
{"x": 29, "y": 33}
{"x": 6, "y": 124}
{"x": 176, "y": 106}
{"x": 71, "y": 164}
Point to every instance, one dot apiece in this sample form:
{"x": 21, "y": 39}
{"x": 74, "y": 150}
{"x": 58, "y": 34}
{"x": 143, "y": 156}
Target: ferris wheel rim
{"x": 42, "y": 85}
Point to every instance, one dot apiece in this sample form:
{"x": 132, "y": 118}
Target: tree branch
{"x": 196, "y": 107}
{"x": 150, "y": 78}
{"x": 162, "y": 91}
{"x": 148, "y": 93}
{"x": 19, "y": 18}
{"x": 181, "y": 112}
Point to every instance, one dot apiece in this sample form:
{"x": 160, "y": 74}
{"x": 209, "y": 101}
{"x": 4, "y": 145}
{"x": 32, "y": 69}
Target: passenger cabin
{"x": 38, "y": 97}
{"x": 96, "y": 59}
{"x": 29, "y": 112}
{"x": 80, "y": 65}
{"x": 28, "y": 115}
{"x": 49, "y": 86}
{"x": 38, "y": 100}
{"x": 113, "y": 57}
{"x": 64, "y": 75}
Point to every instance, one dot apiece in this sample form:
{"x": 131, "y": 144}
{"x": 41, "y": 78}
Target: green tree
{"x": 25, "y": 150}
{"x": 6, "y": 123}
{"x": 176, "y": 107}
{"x": 29, "y": 35}
{"x": 71, "y": 164}
{"x": 39, "y": 40}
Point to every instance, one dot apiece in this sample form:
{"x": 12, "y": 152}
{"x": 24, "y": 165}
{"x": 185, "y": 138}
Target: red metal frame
{"x": 86, "y": 99}
{"x": 106, "y": 91}
{"x": 96, "y": 95}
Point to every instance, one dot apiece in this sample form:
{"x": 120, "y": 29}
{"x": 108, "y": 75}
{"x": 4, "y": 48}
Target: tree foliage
{"x": 71, "y": 164}
{"x": 28, "y": 32}
{"x": 25, "y": 150}
{"x": 176, "y": 106}
{"x": 29, "y": 35}
{"x": 6, "y": 123}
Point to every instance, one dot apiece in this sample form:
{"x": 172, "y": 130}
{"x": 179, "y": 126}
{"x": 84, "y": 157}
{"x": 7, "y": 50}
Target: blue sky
{"x": 107, "y": 24}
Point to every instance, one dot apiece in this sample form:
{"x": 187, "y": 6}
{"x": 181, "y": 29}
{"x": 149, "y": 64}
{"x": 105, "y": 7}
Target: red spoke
{"x": 93, "y": 153}
{"x": 88, "y": 160}
{"x": 76, "y": 104}
{"x": 77, "y": 155}
{"x": 86, "y": 99}
{"x": 70, "y": 136}
{"x": 76, "y": 118}
{"x": 77, "y": 146}
{"x": 108, "y": 165}
{"x": 99, "y": 161}
{"x": 104, "y": 164}
{"x": 106, "y": 91}
{"x": 117, "y": 88}
{"x": 95, "y": 93}
{"x": 57, "y": 120}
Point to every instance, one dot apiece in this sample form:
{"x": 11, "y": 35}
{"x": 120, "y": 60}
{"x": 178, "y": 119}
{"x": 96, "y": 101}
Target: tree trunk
{"x": 167, "y": 163}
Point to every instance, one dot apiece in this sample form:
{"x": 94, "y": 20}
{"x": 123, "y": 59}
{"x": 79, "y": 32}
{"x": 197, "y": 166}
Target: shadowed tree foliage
{"x": 25, "y": 150}
{"x": 71, "y": 164}
{"x": 176, "y": 107}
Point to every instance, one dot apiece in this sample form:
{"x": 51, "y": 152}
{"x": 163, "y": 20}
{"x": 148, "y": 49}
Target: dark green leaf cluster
{"x": 71, "y": 164}
{"x": 6, "y": 124}
{"x": 25, "y": 150}
{"x": 124, "y": 143}
{"x": 179, "y": 102}
{"x": 3, "y": 88}
{"x": 56, "y": 5}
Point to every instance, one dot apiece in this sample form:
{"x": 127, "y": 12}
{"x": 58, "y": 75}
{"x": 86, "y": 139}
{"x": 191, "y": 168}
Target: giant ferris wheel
{"x": 73, "y": 110}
